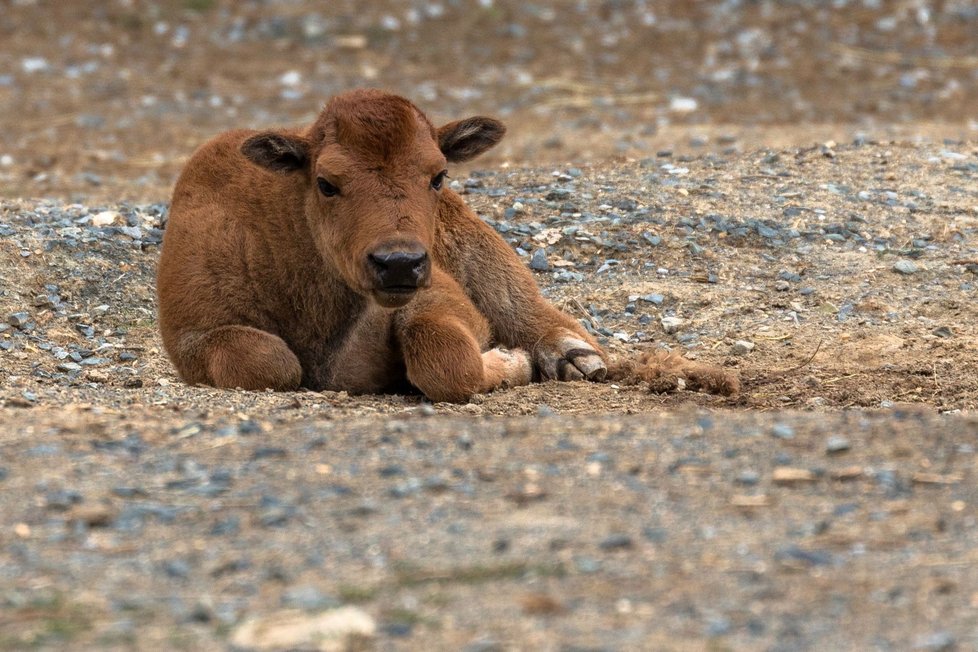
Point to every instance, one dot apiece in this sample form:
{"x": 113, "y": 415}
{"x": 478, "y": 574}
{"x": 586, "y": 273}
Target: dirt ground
{"x": 790, "y": 190}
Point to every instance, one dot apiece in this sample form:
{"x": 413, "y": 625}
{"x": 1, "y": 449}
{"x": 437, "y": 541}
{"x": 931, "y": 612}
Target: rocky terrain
{"x": 789, "y": 190}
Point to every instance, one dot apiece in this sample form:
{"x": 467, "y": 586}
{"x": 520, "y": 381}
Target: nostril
{"x": 419, "y": 261}
{"x": 379, "y": 262}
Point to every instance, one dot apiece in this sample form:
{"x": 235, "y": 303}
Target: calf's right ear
{"x": 277, "y": 151}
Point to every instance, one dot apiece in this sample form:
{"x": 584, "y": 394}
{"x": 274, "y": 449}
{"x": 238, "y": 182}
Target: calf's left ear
{"x": 277, "y": 151}
{"x": 465, "y": 139}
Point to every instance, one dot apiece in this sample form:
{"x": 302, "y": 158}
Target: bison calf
{"x": 334, "y": 257}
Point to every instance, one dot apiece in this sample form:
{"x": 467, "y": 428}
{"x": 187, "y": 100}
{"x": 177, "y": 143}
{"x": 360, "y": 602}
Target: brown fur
{"x": 270, "y": 279}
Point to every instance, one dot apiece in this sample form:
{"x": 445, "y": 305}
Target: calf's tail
{"x": 667, "y": 371}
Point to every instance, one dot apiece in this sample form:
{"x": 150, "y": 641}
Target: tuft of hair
{"x": 374, "y": 121}
{"x": 663, "y": 370}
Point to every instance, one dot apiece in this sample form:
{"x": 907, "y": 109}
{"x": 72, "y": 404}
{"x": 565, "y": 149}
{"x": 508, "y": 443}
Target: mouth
{"x": 396, "y": 296}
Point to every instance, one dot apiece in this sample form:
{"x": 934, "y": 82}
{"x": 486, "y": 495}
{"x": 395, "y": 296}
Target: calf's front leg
{"x": 442, "y": 336}
{"x": 504, "y": 290}
{"x": 237, "y": 356}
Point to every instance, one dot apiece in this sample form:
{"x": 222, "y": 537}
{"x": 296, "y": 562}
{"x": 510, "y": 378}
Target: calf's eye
{"x": 327, "y": 188}
{"x": 438, "y": 180}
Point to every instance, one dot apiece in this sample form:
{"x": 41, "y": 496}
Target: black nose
{"x": 400, "y": 269}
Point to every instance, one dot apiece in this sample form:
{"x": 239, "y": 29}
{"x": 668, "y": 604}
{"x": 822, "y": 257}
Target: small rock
{"x": 683, "y": 104}
{"x": 291, "y": 78}
{"x": 538, "y": 261}
{"x": 616, "y": 542}
{"x": 783, "y": 431}
{"x": 18, "y": 319}
{"x": 742, "y": 347}
{"x": 672, "y": 325}
{"x": 837, "y": 444}
{"x": 264, "y": 452}
{"x": 95, "y": 376}
{"x": 748, "y": 477}
{"x": 904, "y": 266}
{"x": 787, "y": 475}
{"x": 107, "y": 218}
{"x": 337, "y": 629}
{"x": 794, "y": 556}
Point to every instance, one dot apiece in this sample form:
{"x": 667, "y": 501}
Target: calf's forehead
{"x": 376, "y": 131}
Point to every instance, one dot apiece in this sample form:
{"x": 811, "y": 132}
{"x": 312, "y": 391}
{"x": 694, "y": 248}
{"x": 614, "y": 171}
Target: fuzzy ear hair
{"x": 465, "y": 139}
{"x": 276, "y": 151}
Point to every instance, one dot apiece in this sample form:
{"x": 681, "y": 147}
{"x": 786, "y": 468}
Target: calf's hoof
{"x": 565, "y": 356}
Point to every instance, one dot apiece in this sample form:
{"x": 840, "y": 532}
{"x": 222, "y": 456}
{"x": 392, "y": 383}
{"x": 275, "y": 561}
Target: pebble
{"x": 107, "y": 218}
{"x": 567, "y": 276}
{"x": 343, "y": 628}
{"x": 783, "y": 431}
{"x": 265, "y": 452}
{"x": 538, "y": 261}
{"x": 683, "y": 104}
{"x": 794, "y": 555}
{"x": 786, "y": 475}
{"x": 904, "y": 266}
{"x": 19, "y": 319}
{"x": 837, "y": 444}
{"x": 671, "y": 325}
{"x": 616, "y": 542}
{"x": 742, "y": 347}
{"x": 748, "y": 478}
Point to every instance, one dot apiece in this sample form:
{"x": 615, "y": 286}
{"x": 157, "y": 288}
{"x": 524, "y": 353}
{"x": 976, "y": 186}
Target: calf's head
{"x": 373, "y": 171}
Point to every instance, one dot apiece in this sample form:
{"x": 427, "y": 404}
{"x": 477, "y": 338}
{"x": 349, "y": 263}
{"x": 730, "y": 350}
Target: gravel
{"x": 437, "y": 521}
{"x": 317, "y": 536}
